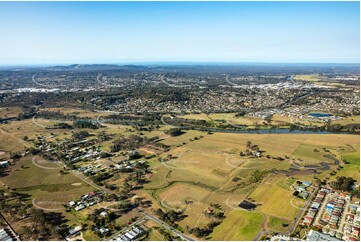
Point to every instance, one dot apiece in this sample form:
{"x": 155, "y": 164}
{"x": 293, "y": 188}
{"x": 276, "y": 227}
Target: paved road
{"x": 85, "y": 179}
{"x": 149, "y": 216}
{"x": 320, "y": 210}
{"x": 303, "y": 210}
{"x": 343, "y": 218}
{"x": 165, "y": 225}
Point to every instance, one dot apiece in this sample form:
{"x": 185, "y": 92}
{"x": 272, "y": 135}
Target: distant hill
{"x": 199, "y": 67}
{"x": 91, "y": 67}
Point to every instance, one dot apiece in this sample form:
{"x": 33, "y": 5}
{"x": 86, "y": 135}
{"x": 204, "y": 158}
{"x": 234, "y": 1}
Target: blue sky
{"x": 120, "y": 32}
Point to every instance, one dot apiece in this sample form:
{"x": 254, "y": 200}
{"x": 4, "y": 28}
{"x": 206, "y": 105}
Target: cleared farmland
{"x": 204, "y": 171}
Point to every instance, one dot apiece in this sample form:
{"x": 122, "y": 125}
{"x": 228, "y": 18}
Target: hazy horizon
{"x": 189, "y": 63}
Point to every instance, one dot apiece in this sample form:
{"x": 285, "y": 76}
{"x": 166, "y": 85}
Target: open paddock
{"x": 353, "y": 168}
{"x": 240, "y": 225}
{"x": 275, "y": 200}
{"x": 186, "y": 197}
{"x": 48, "y": 187}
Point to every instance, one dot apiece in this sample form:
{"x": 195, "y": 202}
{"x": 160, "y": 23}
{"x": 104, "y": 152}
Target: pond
{"x": 320, "y": 115}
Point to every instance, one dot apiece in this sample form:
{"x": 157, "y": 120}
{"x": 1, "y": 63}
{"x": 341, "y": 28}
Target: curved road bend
{"x": 165, "y": 225}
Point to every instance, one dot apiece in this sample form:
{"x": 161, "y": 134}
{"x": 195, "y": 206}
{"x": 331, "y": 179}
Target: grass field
{"x": 190, "y": 198}
{"x": 10, "y": 112}
{"x": 89, "y": 235}
{"x": 309, "y": 154}
{"x": 348, "y": 120}
{"x": 352, "y": 169}
{"x": 197, "y": 166}
{"x": 201, "y": 116}
{"x": 239, "y": 225}
{"x": 310, "y": 78}
{"x": 154, "y": 234}
{"x": 202, "y": 172}
{"x": 275, "y": 199}
{"x": 276, "y": 224}
{"x": 47, "y": 186}
{"x": 216, "y": 118}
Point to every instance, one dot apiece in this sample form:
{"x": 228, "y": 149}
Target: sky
{"x": 125, "y": 32}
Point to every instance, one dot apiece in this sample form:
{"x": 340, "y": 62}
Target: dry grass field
{"x": 239, "y": 225}
{"x": 276, "y": 224}
{"x": 275, "y": 199}
{"x": 188, "y": 197}
{"x": 10, "y": 112}
{"x": 353, "y": 168}
{"x": 154, "y": 234}
{"x": 45, "y": 184}
{"x": 348, "y": 120}
{"x": 203, "y": 174}
{"x": 310, "y": 78}
{"x": 203, "y": 170}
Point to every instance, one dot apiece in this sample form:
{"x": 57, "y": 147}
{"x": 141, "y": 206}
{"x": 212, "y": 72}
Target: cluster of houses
{"x": 334, "y": 209}
{"x": 335, "y": 224}
{"x": 92, "y": 169}
{"x": 87, "y": 200}
{"x": 350, "y": 101}
{"x": 84, "y": 154}
{"x": 352, "y": 227}
{"x": 296, "y": 112}
{"x": 252, "y": 151}
{"x": 132, "y": 234}
{"x": 128, "y": 164}
{"x": 302, "y": 189}
{"x": 75, "y": 151}
{"x": 315, "y": 206}
{"x": 268, "y": 114}
{"x": 84, "y": 150}
{"x": 351, "y": 233}
{"x": 354, "y": 213}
